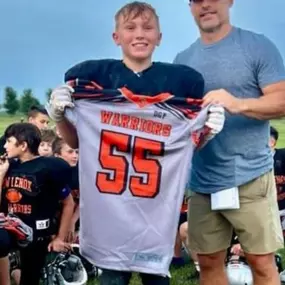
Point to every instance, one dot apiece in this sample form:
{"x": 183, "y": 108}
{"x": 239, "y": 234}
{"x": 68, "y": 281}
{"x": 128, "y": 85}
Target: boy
{"x": 32, "y": 187}
{"x": 48, "y": 137}
{"x": 37, "y": 116}
{"x": 137, "y": 31}
{"x": 62, "y": 150}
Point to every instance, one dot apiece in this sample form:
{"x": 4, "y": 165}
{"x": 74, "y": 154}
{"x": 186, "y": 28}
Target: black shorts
{"x": 32, "y": 257}
{"x": 182, "y": 219}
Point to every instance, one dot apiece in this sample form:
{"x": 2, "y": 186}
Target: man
{"x": 32, "y": 188}
{"x": 137, "y": 31}
{"x": 243, "y": 72}
{"x": 37, "y": 116}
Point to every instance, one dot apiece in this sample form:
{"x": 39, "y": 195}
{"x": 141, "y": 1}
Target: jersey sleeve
{"x": 60, "y": 175}
{"x": 269, "y": 65}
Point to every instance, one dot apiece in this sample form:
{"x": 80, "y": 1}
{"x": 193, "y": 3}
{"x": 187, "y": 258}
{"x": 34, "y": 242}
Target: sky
{"x": 41, "y": 39}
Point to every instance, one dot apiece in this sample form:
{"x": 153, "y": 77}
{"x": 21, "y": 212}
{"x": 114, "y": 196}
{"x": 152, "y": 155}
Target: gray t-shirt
{"x": 242, "y": 63}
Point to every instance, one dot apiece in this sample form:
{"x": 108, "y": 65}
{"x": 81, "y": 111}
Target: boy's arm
{"x": 60, "y": 99}
{"x": 68, "y": 132}
{"x": 66, "y": 216}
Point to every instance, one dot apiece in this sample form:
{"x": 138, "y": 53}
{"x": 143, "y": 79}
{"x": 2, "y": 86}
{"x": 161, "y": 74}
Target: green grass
{"x": 179, "y": 276}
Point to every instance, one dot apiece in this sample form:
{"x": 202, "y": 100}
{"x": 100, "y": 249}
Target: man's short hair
{"x": 274, "y": 133}
{"x": 57, "y": 145}
{"x": 25, "y": 132}
{"x": 48, "y": 135}
{"x": 35, "y": 110}
{"x": 135, "y": 9}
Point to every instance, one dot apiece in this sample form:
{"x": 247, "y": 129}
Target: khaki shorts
{"x": 256, "y": 223}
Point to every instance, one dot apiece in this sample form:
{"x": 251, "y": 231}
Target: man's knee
{"x": 212, "y": 261}
{"x": 263, "y": 265}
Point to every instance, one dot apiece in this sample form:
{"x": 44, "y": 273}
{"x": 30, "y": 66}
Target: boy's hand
{"x": 4, "y": 165}
{"x": 58, "y": 245}
{"x": 59, "y": 100}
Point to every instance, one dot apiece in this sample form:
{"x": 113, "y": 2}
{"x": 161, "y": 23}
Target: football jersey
{"x": 135, "y": 155}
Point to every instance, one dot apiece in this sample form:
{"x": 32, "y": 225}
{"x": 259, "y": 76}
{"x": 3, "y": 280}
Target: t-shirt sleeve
{"x": 60, "y": 177}
{"x": 268, "y": 61}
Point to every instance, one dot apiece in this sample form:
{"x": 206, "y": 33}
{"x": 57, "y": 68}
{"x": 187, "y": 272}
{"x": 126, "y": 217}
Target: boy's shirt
{"x": 180, "y": 80}
{"x": 32, "y": 191}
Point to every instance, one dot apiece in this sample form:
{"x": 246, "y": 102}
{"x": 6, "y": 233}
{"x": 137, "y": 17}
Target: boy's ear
{"x": 116, "y": 39}
{"x": 159, "y": 39}
{"x": 24, "y": 146}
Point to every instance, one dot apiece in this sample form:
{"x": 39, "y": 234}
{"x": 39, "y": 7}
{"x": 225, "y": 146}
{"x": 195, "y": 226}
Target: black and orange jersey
{"x": 180, "y": 80}
{"x": 32, "y": 191}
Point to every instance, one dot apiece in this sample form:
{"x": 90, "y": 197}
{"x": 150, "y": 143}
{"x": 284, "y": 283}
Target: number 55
{"x": 140, "y": 149}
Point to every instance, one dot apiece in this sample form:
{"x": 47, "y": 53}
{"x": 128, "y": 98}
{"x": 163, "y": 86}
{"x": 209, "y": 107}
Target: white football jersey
{"x": 135, "y": 155}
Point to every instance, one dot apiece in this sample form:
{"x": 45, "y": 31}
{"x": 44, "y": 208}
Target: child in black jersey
{"x": 32, "y": 187}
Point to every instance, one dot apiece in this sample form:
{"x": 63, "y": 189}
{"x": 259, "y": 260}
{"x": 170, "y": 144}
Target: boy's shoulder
{"x": 176, "y": 69}
{"x": 90, "y": 69}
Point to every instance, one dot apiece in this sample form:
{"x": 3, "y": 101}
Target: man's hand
{"x": 58, "y": 245}
{"x": 59, "y": 100}
{"x": 221, "y": 97}
{"x": 4, "y": 165}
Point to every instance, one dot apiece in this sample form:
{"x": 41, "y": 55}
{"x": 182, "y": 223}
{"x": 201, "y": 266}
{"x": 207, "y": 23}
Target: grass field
{"x": 179, "y": 276}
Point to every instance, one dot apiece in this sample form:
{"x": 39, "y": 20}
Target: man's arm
{"x": 270, "y": 106}
{"x": 269, "y": 71}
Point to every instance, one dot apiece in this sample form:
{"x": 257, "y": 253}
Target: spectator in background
{"x": 279, "y": 172}
{"x": 61, "y": 149}
{"x": 48, "y": 137}
{"x": 244, "y": 72}
{"x": 37, "y": 116}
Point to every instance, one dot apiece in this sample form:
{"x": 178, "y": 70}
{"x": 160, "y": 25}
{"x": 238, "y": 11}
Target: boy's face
{"x": 40, "y": 120}
{"x": 69, "y": 154}
{"x": 45, "y": 149}
{"x": 13, "y": 149}
{"x": 138, "y": 36}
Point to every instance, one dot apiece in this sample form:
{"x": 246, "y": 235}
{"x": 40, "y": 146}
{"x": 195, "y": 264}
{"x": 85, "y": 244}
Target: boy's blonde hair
{"x": 134, "y": 10}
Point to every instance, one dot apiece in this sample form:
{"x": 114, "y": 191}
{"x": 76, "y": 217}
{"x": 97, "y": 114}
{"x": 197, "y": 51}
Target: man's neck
{"x": 137, "y": 66}
{"x": 27, "y": 156}
{"x": 217, "y": 35}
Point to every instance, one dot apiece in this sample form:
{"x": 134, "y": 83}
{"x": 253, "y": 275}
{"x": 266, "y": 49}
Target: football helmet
{"x": 91, "y": 269}
{"x": 238, "y": 271}
{"x": 64, "y": 269}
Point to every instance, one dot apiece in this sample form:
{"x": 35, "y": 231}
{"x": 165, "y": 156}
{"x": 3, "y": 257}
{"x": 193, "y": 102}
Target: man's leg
{"x": 209, "y": 236}
{"x": 113, "y": 277}
{"x": 258, "y": 227}
{"x": 150, "y": 279}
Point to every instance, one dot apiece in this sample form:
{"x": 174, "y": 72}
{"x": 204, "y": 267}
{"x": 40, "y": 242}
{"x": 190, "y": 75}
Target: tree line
{"x": 14, "y": 103}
